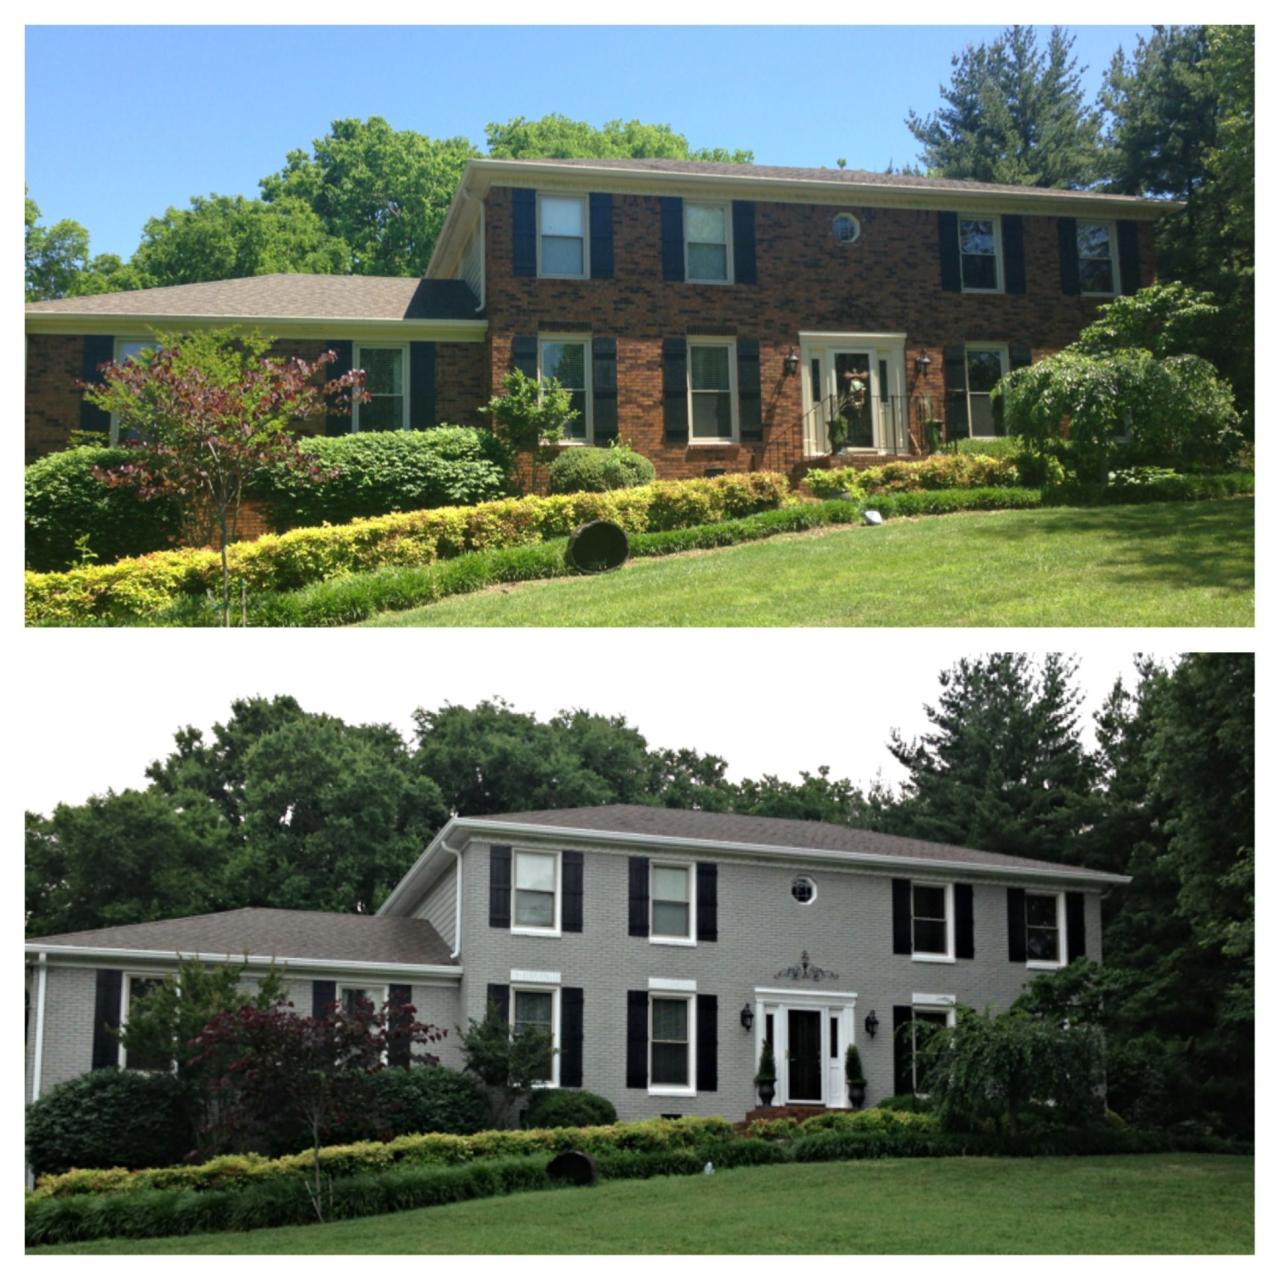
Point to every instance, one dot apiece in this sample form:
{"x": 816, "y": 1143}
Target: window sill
{"x": 542, "y": 275}
{"x": 926, "y": 959}
{"x": 981, "y": 291}
{"x": 1113, "y": 294}
{"x": 672, "y": 942}
{"x": 1044, "y": 964}
{"x": 671, "y": 1091}
{"x": 534, "y": 933}
{"x": 712, "y": 444}
{"x": 720, "y": 284}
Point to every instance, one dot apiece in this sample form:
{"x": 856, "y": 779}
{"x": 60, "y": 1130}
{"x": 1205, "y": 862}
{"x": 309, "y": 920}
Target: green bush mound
{"x": 403, "y": 1100}
{"x": 145, "y": 588}
{"x": 373, "y": 473}
{"x": 108, "y": 1117}
{"x": 568, "y": 1109}
{"x": 940, "y": 471}
{"x": 1150, "y": 484}
{"x": 589, "y": 470}
{"x": 73, "y": 518}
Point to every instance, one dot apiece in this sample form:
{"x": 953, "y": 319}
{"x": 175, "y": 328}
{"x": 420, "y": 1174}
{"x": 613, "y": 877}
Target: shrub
{"x": 989, "y": 447}
{"x": 941, "y": 471}
{"x": 589, "y": 470}
{"x": 376, "y": 472}
{"x": 107, "y": 1119}
{"x": 417, "y": 1100}
{"x": 905, "y": 1102}
{"x": 72, "y": 516}
{"x": 1150, "y": 485}
{"x": 568, "y": 1109}
{"x": 939, "y": 502}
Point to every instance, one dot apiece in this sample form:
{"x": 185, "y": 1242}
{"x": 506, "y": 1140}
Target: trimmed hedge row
{"x": 1176, "y": 488}
{"x": 145, "y": 588}
{"x": 939, "y": 471}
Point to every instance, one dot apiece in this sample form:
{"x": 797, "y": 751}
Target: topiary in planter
{"x": 766, "y": 1075}
{"x": 854, "y": 1078}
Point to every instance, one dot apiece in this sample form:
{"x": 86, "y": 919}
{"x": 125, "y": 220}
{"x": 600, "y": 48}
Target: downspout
{"x": 457, "y": 899}
{"x": 37, "y": 1066}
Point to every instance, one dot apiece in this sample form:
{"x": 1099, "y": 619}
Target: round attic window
{"x": 803, "y": 890}
{"x": 846, "y": 228}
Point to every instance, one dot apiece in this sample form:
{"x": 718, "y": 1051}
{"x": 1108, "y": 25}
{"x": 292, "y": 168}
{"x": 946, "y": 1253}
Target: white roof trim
{"x": 128, "y": 325}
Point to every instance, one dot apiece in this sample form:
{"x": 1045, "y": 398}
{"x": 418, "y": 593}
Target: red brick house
{"x": 716, "y": 317}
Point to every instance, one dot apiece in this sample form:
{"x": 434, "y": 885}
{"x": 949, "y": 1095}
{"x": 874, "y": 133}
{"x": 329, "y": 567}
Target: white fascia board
{"x": 66, "y": 953}
{"x": 125, "y": 326}
{"x": 517, "y": 831}
{"x": 447, "y": 252}
{"x": 407, "y": 886}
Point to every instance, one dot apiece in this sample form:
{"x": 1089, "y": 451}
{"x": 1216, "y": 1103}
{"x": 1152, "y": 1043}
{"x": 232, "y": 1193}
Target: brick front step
{"x": 787, "y": 1113}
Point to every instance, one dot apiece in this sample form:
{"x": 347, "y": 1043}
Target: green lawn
{"x": 1163, "y": 564}
{"x": 1105, "y": 1204}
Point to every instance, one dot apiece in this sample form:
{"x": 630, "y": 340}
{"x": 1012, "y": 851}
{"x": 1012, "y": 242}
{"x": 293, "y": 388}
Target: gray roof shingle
{"x": 285, "y": 296}
{"x": 269, "y": 931}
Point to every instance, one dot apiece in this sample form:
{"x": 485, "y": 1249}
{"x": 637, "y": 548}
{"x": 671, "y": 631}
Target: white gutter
{"x": 37, "y": 1065}
{"x": 323, "y": 327}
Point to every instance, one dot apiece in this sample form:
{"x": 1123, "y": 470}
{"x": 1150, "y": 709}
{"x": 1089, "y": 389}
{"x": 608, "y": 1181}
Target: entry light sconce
{"x": 871, "y": 1023}
{"x": 790, "y": 363}
{"x": 747, "y": 1017}
{"x": 923, "y": 361}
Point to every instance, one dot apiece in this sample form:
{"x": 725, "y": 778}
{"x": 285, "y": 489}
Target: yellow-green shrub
{"x": 145, "y": 587}
{"x": 941, "y": 471}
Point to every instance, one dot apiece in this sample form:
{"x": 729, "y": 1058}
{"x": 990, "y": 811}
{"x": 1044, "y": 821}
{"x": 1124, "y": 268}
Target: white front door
{"x": 810, "y": 1032}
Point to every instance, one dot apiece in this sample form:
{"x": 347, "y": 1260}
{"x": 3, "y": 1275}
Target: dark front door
{"x": 853, "y": 398}
{"x": 804, "y": 1055}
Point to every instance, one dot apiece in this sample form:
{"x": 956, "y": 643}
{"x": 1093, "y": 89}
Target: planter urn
{"x": 857, "y": 1093}
{"x": 765, "y": 1089}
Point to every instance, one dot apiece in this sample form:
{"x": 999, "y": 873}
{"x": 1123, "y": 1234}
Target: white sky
{"x": 767, "y": 701}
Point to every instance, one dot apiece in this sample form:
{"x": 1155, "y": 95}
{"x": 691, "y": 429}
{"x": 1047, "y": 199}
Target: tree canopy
{"x": 558, "y": 137}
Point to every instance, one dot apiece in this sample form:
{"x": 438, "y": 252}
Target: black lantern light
{"x": 790, "y": 363}
{"x": 871, "y": 1023}
{"x": 923, "y": 361}
{"x": 747, "y": 1016}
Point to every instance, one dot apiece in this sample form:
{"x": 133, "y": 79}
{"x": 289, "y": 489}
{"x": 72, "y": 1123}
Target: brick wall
{"x": 887, "y": 281}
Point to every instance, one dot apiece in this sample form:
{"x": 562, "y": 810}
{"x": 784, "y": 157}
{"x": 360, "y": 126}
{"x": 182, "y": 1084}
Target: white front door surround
{"x": 835, "y": 1010}
{"x": 822, "y": 360}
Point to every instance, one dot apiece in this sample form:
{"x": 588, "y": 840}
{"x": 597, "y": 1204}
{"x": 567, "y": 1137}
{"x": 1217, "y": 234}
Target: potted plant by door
{"x": 766, "y": 1076}
{"x": 853, "y": 1077}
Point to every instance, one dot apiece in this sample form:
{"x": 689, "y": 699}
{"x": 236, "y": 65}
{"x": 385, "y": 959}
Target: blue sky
{"x": 122, "y": 122}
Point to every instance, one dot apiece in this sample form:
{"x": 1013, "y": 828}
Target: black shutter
{"x": 638, "y": 897}
{"x": 964, "y": 921}
{"x": 95, "y": 349}
{"x": 675, "y": 391}
{"x": 524, "y": 232}
{"x": 708, "y": 1077}
{"x": 500, "y": 886}
{"x": 338, "y": 424}
{"x": 1075, "y": 926}
{"x": 949, "y": 251}
{"x": 601, "y": 235}
{"x": 1017, "y": 902}
{"x": 571, "y": 1037}
{"x": 499, "y": 995}
{"x": 1015, "y": 261}
{"x": 571, "y": 889}
{"x": 1127, "y": 247}
{"x": 106, "y": 1016}
{"x": 524, "y": 355}
{"x": 323, "y": 996}
{"x": 750, "y": 425}
{"x": 902, "y": 1049}
{"x": 672, "y": 238}
{"x": 1068, "y": 255}
{"x": 708, "y": 930}
{"x": 399, "y": 1047}
{"x": 902, "y": 917}
{"x": 744, "y": 242}
{"x": 604, "y": 390}
{"x": 422, "y": 385}
{"x": 955, "y": 387}
{"x": 637, "y": 1039}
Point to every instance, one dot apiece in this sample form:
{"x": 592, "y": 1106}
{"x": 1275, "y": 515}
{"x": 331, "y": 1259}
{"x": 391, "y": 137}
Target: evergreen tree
{"x": 1013, "y": 113}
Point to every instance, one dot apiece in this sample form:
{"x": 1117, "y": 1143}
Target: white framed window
{"x": 535, "y": 893}
{"x": 984, "y": 366}
{"x": 933, "y": 933}
{"x": 386, "y": 369}
{"x": 127, "y": 349}
{"x": 671, "y": 903}
{"x": 134, "y": 986}
{"x": 981, "y": 262}
{"x": 672, "y": 1018}
{"x": 846, "y": 228}
{"x": 563, "y": 246}
{"x": 539, "y": 1008}
{"x": 1046, "y": 930}
{"x": 1099, "y": 261}
{"x": 708, "y": 243}
{"x": 567, "y": 358}
{"x": 350, "y": 995}
{"x": 926, "y": 1021}
{"x": 713, "y": 391}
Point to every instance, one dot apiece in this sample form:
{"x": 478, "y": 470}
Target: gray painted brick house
{"x": 659, "y": 946}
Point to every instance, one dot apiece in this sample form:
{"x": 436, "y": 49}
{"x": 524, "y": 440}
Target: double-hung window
{"x": 670, "y": 1043}
{"x": 984, "y": 366}
{"x": 671, "y": 903}
{"x": 127, "y": 349}
{"x": 1096, "y": 246}
{"x": 932, "y": 922}
{"x": 562, "y": 238}
{"x": 568, "y": 360}
{"x": 1045, "y": 929}
{"x": 707, "y": 246}
{"x": 925, "y": 1024}
{"x": 150, "y": 1058}
{"x": 385, "y": 379}
{"x": 981, "y": 270}
{"x": 535, "y": 893}
{"x": 713, "y": 388}
{"x": 354, "y": 1000}
{"x": 535, "y": 1010}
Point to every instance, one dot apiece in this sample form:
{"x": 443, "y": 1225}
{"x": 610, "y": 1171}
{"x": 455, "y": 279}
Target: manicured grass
{"x": 1161, "y": 564}
{"x": 1105, "y": 1204}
